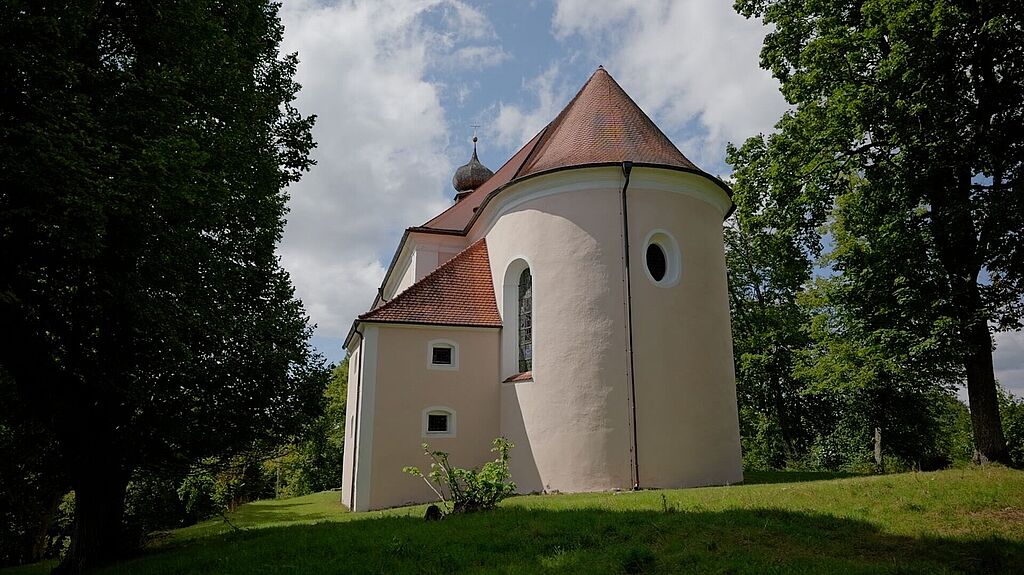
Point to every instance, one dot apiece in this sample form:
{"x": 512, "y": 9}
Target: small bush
{"x": 468, "y": 489}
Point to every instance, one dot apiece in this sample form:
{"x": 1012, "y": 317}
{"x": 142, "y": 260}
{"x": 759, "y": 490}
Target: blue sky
{"x": 397, "y": 84}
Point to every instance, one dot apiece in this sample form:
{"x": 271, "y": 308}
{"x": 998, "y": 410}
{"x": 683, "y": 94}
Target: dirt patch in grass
{"x": 1007, "y": 514}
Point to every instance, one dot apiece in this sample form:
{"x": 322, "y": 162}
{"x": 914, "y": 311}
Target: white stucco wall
{"x": 348, "y": 457}
{"x": 574, "y": 414}
{"x": 687, "y": 425}
{"x": 421, "y": 254}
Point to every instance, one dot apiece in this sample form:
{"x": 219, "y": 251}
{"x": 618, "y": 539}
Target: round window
{"x": 662, "y": 259}
{"x": 656, "y": 262}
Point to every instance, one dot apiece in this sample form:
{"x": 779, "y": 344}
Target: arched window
{"x": 525, "y": 321}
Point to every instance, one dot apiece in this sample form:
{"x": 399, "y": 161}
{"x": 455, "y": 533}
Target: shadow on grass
{"x": 764, "y": 477}
{"x": 258, "y": 513}
{"x": 518, "y": 540}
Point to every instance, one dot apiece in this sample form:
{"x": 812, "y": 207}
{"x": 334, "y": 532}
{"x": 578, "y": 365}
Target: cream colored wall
{"x": 405, "y": 386}
{"x": 574, "y": 415}
{"x": 572, "y": 423}
{"x": 687, "y": 426}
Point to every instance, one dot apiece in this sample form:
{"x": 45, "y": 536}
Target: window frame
{"x": 446, "y": 343}
{"x": 438, "y": 410}
{"x": 673, "y": 258}
{"x": 509, "y": 309}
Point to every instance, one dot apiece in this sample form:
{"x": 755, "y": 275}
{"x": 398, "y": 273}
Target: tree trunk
{"x": 981, "y": 393}
{"x": 956, "y": 239}
{"x": 97, "y": 537}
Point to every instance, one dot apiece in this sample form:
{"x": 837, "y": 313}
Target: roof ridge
{"x": 551, "y": 126}
{"x": 404, "y": 294}
{"x": 536, "y": 145}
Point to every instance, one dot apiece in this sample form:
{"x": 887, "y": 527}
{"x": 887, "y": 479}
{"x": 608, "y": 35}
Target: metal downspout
{"x": 355, "y": 423}
{"x": 627, "y": 168}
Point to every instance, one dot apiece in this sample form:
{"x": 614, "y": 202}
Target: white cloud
{"x": 1008, "y": 361}
{"x": 381, "y": 134}
{"x": 682, "y": 61}
{"x": 515, "y": 125}
{"x": 475, "y": 57}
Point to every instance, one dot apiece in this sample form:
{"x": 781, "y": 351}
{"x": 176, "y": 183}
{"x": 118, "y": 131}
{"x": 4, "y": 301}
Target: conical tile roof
{"x": 601, "y": 125}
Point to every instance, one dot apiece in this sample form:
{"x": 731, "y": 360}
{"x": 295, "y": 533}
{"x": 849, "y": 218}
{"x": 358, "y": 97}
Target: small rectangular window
{"x": 442, "y": 356}
{"x": 437, "y": 423}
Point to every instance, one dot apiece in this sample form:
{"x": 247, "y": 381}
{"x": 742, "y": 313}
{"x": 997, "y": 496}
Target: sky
{"x": 397, "y": 86}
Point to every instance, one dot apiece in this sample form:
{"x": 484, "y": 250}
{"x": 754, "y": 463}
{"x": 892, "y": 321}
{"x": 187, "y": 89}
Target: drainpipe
{"x": 355, "y": 421}
{"x": 627, "y": 168}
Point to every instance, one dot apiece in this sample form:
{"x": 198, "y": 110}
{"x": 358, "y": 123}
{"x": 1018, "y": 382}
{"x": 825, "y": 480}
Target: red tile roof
{"x": 525, "y": 376}
{"x": 602, "y": 124}
{"x": 459, "y": 215}
{"x": 459, "y": 292}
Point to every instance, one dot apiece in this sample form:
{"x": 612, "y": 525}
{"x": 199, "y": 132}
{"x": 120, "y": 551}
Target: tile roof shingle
{"x": 459, "y": 292}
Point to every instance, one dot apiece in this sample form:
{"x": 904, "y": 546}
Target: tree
{"x": 767, "y": 272}
{"x": 145, "y": 148}
{"x": 31, "y": 482}
{"x": 915, "y": 106}
{"x": 314, "y": 463}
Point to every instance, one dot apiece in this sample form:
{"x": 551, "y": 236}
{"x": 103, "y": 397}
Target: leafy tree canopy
{"x": 906, "y": 135}
{"x": 145, "y": 148}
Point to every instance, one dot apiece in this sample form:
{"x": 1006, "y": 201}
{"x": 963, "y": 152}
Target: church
{"x": 574, "y": 302}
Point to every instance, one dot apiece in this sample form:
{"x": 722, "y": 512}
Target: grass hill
{"x": 955, "y": 521}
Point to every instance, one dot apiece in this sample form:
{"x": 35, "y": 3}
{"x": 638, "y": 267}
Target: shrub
{"x": 1012, "y": 410}
{"x": 468, "y": 489}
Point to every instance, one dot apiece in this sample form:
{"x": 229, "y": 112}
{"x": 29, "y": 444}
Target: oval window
{"x": 661, "y": 254}
{"x": 657, "y": 264}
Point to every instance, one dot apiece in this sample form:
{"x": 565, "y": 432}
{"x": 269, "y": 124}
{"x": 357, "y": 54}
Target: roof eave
{"x": 696, "y": 171}
{"x": 431, "y": 323}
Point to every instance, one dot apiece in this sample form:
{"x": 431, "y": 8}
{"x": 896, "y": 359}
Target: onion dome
{"x": 470, "y": 176}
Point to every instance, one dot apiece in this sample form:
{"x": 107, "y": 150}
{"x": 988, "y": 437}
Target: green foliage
{"x": 152, "y": 504}
{"x": 468, "y": 489}
{"x": 314, "y": 463}
{"x": 1013, "y": 424}
{"x": 198, "y": 494}
{"x": 902, "y": 151}
{"x": 31, "y": 481}
{"x": 145, "y": 153}
{"x": 760, "y": 441}
{"x": 766, "y": 272}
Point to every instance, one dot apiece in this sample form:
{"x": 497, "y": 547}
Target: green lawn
{"x": 953, "y": 521}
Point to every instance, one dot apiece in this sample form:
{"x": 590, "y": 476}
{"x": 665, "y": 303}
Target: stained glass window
{"x": 525, "y": 321}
